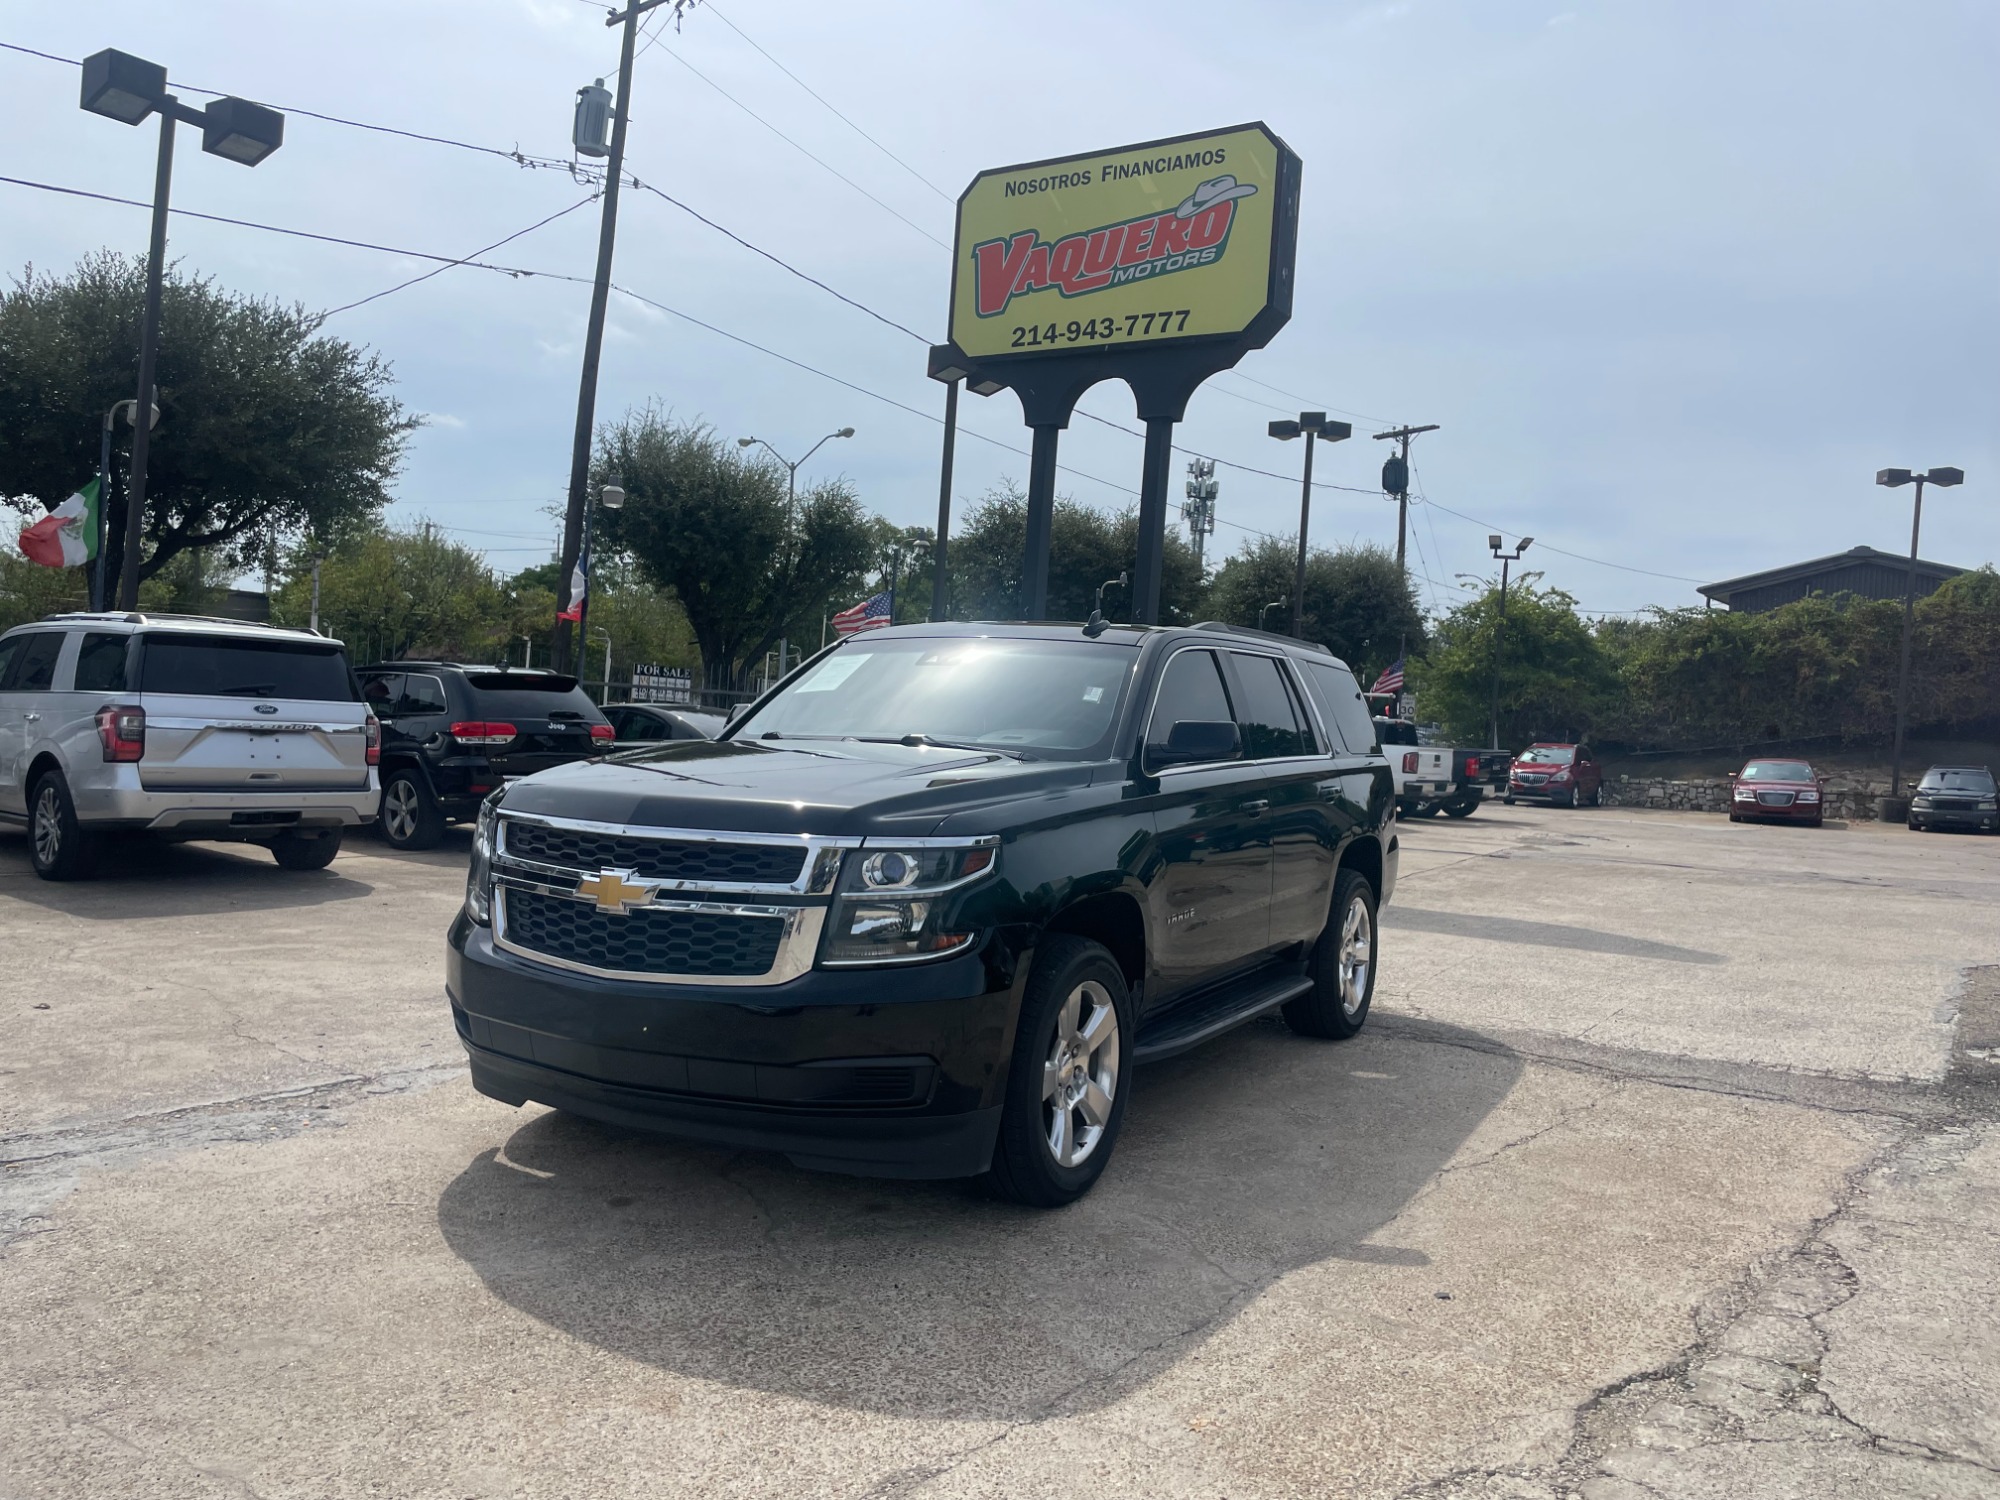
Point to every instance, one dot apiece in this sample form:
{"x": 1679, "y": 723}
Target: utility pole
{"x": 1894, "y": 478}
{"x": 1396, "y": 481}
{"x": 1313, "y": 424}
{"x": 593, "y": 337}
{"x": 1199, "y": 509}
{"x": 1500, "y": 633}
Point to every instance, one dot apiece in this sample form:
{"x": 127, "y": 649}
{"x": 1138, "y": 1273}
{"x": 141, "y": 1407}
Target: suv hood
{"x": 826, "y": 787}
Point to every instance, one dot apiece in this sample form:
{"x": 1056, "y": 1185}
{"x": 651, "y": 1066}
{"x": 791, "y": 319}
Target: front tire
{"x": 1066, "y": 1090}
{"x": 57, "y": 844}
{"x": 1463, "y": 809}
{"x": 410, "y": 818}
{"x": 1342, "y": 965}
{"x": 299, "y": 851}
{"x": 1508, "y": 800}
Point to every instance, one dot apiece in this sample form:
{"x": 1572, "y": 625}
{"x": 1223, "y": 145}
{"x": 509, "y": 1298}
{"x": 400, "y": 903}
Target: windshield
{"x": 211, "y": 666}
{"x": 1977, "y": 782}
{"x": 1776, "y": 770}
{"x": 1549, "y": 755}
{"x": 1048, "y": 697}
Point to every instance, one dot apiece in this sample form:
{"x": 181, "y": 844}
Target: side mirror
{"x": 1193, "y": 741}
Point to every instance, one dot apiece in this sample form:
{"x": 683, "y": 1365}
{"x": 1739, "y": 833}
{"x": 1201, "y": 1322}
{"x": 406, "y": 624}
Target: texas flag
{"x": 67, "y": 536}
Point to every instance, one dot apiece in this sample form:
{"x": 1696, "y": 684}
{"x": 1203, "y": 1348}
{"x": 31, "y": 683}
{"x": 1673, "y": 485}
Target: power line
{"x": 1551, "y": 547}
{"x": 439, "y": 271}
{"x": 835, "y": 112}
{"x": 1309, "y": 400}
{"x": 912, "y": 223}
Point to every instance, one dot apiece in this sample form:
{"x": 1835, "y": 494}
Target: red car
{"x": 1567, "y": 775}
{"x": 1787, "y": 791}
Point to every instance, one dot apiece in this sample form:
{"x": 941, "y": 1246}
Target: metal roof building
{"x": 1862, "y": 571}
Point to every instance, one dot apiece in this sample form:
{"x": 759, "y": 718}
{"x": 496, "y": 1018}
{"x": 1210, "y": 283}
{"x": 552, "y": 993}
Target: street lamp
{"x": 127, "y": 89}
{"x": 791, "y": 497}
{"x": 1500, "y": 632}
{"x": 1893, "y": 479}
{"x": 1264, "y": 610}
{"x": 600, "y": 630}
{"x": 1314, "y": 425}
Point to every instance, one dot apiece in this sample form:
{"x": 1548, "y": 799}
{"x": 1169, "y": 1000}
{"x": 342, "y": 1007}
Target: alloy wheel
{"x": 1080, "y": 1077}
{"x": 399, "y": 810}
{"x": 1357, "y": 941}
{"x": 48, "y": 825}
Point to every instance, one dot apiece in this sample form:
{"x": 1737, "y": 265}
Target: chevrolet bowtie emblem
{"x": 616, "y": 891}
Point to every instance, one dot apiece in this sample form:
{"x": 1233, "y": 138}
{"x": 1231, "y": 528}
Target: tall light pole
{"x": 1500, "y": 631}
{"x": 792, "y": 496}
{"x": 589, "y": 117}
{"x": 1893, "y": 478}
{"x": 127, "y": 89}
{"x": 1314, "y": 425}
{"x": 1396, "y": 481}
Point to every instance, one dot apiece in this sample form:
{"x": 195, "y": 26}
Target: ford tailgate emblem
{"x": 267, "y": 708}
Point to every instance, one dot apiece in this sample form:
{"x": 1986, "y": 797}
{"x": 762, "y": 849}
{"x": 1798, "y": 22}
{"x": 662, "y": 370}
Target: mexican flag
{"x": 67, "y": 536}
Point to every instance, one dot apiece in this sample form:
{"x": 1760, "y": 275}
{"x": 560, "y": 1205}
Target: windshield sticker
{"x": 829, "y": 675}
{"x": 1093, "y": 695}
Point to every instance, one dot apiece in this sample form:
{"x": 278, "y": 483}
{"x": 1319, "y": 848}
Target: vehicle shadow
{"x": 1256, "y": 1156}
{"x": 1539, "y": 934}
{"x": 453, "y": 850}
{"x": 143, "y": 877}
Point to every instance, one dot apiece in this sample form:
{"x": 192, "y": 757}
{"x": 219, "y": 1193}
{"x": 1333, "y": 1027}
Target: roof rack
{"x": 1264, "y": 635}
{"x": 137, "y": 617}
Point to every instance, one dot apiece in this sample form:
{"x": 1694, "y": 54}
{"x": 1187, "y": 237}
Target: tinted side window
{"x": 1267, "y": 717}
{"x": 1340, "y": 700}
{"x": 36, "y": 670}
{"x": 381, "y": 692}
{"x": 100, "y": 664}
{"x": 10, "y": 651}
{"x": 1191, "y": 688}
{"x": 421, "y": 695}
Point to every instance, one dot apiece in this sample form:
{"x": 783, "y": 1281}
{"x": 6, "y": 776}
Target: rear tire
{"x": 1509, "y": 801}
{"x": 1342, "y": 965}
{"x": 410, "y": 818}
{"x": 1460, "y": 809}
{"x": 301, "y": 851}
{"x": 1067, "y": 1086}
{"x": 57, "y": 844}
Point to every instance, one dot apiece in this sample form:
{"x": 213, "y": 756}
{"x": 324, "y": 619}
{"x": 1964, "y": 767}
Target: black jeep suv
{"x": 923, "y": 906}
{"x": 451, "y": 733}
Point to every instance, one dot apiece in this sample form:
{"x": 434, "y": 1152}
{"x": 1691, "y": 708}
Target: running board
{"x": 1182, "y": 1030}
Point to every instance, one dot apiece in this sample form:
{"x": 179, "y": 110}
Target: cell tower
{"x": 1199, "y": 508}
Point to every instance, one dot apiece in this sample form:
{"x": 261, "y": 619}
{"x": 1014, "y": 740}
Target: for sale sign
{"x": 1138, "y": 246}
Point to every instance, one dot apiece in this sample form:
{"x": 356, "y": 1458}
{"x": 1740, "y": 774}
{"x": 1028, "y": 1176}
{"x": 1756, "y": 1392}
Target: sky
{"x": 1675, "y": 281}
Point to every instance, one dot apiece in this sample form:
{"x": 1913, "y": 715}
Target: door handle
{"x": 1261, "y": 804}
{"x": 33, "y": 718}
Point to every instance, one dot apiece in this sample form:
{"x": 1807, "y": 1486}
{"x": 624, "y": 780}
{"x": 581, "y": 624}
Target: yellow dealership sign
{"x": 1137, "y": 247}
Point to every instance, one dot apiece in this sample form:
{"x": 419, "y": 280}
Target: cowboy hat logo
{"x": 1216, "y": 190}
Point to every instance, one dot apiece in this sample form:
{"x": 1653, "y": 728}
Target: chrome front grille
{"x": 700, "y": 862}
{"x": 666, "y": 905}
{"x": 1774, "y": 799}
{"x": 697, "y": 941}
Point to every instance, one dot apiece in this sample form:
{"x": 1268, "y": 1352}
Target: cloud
{"x": 440, "y": 419}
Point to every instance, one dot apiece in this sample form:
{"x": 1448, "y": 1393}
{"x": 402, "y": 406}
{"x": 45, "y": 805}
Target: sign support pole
{"x": 1041, "y": 522}
{"x": 940, "y": 579}
{"x": 1153, "y": 477}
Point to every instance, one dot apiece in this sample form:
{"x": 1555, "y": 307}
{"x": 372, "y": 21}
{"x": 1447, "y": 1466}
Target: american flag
{"x": 869, "y": 614}
{"x": 1391, "y": 680}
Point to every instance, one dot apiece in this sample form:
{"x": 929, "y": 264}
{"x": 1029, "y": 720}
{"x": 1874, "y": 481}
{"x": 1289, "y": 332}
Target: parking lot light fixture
{"x": 1311, "y": 424}
{"x": 1890, "y": 806}
{"x": 129, "y": 89}
{"x": 1504, "y": 558}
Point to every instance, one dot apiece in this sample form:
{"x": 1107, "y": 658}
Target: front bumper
{"x": 1542, "y": 792}
{"x": 1796, "y": 812}
{"x": 894, "y": 1072}
{"x": 120, "y": 801}
{"x": 1970, "y": 819}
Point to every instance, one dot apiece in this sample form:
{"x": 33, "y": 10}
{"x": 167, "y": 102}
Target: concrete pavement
{"x": 1666, "y": 1167}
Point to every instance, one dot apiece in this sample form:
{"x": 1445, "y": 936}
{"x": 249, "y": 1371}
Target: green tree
{"x": 714, "y": 527}
{"x": 1086, "y": 548}
{"x": 391, "y": 593}
{"x": 269, "y": 430}
{"x": 1358, "y": 603}
{"x": 1556, "y": 680}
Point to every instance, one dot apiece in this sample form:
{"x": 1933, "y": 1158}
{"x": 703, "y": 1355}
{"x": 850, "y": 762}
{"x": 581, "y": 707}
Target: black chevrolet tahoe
{"x": 924, "y": 906}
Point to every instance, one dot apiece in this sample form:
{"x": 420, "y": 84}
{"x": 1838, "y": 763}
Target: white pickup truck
{"x": 1429, "y": 778}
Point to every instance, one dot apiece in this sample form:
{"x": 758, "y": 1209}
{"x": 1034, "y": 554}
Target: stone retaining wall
{"x": 1848, "y": 798}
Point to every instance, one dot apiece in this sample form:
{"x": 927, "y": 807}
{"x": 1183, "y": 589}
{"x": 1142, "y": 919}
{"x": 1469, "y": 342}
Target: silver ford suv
{"x": 180, "y": 727}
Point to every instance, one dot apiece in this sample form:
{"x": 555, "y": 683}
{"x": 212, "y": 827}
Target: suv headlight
{"x": 1990, "y": 804}
{"x": 897, "y": 902}
{"x": 479, "y": 874}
